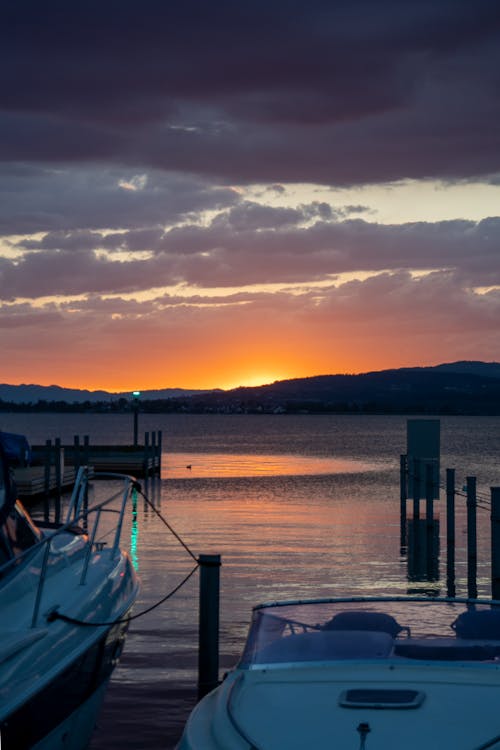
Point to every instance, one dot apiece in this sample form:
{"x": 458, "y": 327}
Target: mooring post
{"x": 429, "y": 493}
{"x": 471, "y": 538}
{"x": 46, "y": 480}
{"x": 76, "y": 453}
{"x": 415, "y": 485}
{"x": 58, "y": 471}
{"x": 208, "y": 634}
{"x": 450, "y": 531}
{"x": 416, "y": 489}
{"x": 86, "y": 450}
{"x": 159, "y": 452}
{"x": 495, "y": 542}
{"x": 145, "y": 455}
{"x": 429, "y": 519}
{"x": 402, "y": 501}
{"x": 153, "y": 453}
{"x": 48, "y": 456}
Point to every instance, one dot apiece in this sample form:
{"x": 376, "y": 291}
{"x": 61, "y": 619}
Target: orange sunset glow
{"x": 326, "y": 203}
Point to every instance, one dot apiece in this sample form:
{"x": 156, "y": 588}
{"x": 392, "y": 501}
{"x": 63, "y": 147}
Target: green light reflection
{"x": 134, "y": 532}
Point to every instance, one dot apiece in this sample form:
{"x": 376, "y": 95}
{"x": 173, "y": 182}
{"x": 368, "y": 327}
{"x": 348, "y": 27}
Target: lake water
{"x": 298, "y": 506}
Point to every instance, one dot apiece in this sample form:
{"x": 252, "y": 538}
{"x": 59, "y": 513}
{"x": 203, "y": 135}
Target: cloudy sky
{"x": 212, "y": 194}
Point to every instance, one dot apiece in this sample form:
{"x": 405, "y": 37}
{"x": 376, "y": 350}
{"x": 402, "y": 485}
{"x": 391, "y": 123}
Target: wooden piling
{"x": 86, "y": 450}
{"x": 402, "y": 500}
{"x": 429, "y": 519}
{"x": 208, "y": 634}
{"x": 58, "y": 459}
{"x": 471, "y": 538}
{"x": 160, "y": 437}
{"x": 416, "y": 509}
{"x": 146, "y": 454}
{"x": 450, "y": 532}
{"x": 495, "y": 543}
{"x": 416, "y": 489}
{"x": 46, "y": 466}
{"x": 153, "y": 453}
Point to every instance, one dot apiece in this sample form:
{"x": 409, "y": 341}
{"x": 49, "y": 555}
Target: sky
{"x": 217, "y": 194}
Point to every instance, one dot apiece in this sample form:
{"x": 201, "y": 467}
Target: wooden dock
{"x": 54, "y": 465}
{"x": 123, "y": 459}
{"x": 31, "y": 480}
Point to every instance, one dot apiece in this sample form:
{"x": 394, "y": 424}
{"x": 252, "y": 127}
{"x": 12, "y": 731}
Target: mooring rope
{"x": 164, "y": 520}
{"x": 56, "y": 615}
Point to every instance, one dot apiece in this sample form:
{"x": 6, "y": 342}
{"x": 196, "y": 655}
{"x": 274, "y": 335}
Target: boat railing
{"x": 78, "y": 513}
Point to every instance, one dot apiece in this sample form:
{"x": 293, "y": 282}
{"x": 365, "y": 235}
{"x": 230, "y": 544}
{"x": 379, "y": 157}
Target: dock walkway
{"x": 32, "y": 480}
{"x": 54, "y": 465}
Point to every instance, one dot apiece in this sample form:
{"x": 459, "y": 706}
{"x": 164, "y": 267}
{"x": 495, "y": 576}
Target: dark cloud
{"x": 127, "y": 131}
{"x": 239, "y": 249}
{"x": 63, "y": 199}
{"x": 336, "y": 92}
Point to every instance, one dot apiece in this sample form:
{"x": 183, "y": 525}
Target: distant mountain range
{"x": 453, "y": 388}
{"x": 26, "y": 394}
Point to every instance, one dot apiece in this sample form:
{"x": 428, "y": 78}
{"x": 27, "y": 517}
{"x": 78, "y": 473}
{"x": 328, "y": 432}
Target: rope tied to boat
{"x": 56, "y": 615}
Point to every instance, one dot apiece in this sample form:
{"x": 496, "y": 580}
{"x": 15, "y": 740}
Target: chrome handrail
{"x": 74, "y": 516}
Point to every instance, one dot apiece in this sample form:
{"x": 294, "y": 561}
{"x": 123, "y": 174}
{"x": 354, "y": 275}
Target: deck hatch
{"x": 372, "y": 698}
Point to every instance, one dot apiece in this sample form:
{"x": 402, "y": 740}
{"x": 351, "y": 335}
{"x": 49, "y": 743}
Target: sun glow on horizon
{"x": 252, "y": 380}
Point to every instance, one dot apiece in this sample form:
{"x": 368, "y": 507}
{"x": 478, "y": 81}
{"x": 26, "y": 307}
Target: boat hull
{"x": 75, "y": 732}
{"x": 61, "y": 714}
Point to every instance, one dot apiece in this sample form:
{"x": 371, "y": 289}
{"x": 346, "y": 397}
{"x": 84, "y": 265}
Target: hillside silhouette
{"x": 453, "y": 388}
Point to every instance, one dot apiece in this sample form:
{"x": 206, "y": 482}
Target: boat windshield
{"x": 401, "y": 628}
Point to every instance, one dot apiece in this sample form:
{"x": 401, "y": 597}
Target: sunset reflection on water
{"x": 205, "y": 465}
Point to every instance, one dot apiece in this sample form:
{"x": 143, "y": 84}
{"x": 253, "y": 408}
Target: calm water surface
{"x": 298, "y": 506}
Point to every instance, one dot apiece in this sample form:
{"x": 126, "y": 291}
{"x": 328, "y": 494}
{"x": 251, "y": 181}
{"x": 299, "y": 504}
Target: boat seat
{"x": 478, "y": 623}
{"x": 326, "y": 646}
{"x": 362, "y": 620}
{"x": 448, "y": 649}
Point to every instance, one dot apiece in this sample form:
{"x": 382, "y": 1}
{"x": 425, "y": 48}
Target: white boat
{"x": 359, "y": 674}
{"x": 53, "y": 669}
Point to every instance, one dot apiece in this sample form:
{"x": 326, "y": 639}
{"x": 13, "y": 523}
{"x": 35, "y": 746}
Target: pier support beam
{"x": 495, "y": 542}
{"x": 403, "y": 494}
{"x": 208, "y": 636}
{"x": 450, "y": 532}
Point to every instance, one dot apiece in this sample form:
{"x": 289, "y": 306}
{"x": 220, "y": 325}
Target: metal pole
{"x": 136, "y": 423}
{"x": 471, "y": 538}
{"x": 208, "y": 634}
{"x": 495, "y": 542}
{"x": 402, "y": 501}
{"x": 450, "y": 531}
